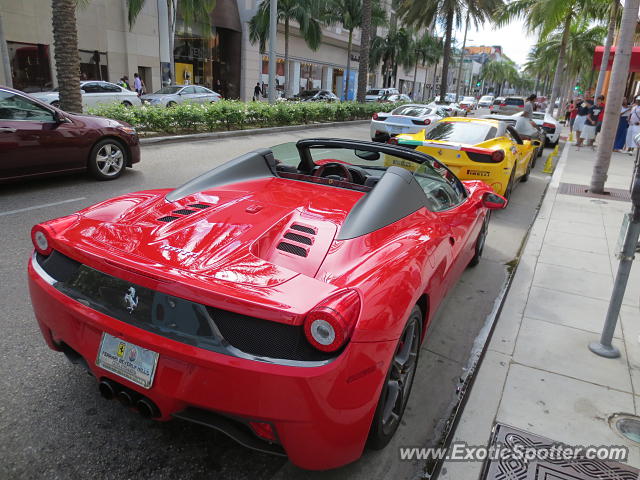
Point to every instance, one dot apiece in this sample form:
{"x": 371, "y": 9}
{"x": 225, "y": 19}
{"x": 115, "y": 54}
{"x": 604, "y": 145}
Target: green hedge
{"x": 236, "y": 115}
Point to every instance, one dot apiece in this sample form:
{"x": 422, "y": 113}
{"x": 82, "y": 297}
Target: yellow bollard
{"x": 548, "y": 165}
{"x": 571, "y": 136}
{"x": 555, "y": 150}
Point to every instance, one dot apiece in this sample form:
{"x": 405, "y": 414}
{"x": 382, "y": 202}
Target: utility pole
{"x": 273, "y": 26}
{"x": 4, "y": 54}
{"x": 464, "y": 44}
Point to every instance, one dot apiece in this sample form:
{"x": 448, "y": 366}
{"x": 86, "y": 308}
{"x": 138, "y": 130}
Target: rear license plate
{"x": 397, "y": 130}
{"x": 127, "y": 360}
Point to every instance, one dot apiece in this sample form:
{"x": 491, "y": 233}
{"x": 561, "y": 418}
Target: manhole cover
{"x": 626, "y": 425}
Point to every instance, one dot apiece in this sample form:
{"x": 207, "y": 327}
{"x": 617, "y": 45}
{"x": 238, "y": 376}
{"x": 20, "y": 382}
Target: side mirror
{"x": 493, "y": 201}
{"x": 59, "y": 117}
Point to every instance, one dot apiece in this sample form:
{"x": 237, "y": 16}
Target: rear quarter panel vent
{"x": 168, "y": 218}
{"x": 293, "y": 249}
{"x": 302, "y": 228}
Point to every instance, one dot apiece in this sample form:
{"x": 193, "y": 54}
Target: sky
{"x": 513, "y": 38}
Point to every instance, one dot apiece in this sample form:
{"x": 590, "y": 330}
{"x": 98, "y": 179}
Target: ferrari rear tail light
{"x": 503, "y": 104}
{"x": 329, "y": 324}
{"x": 375, "y": 116}
{"x": 426, "y": 121}
{"x": 378, "y": 116}
{"x": 393, "y": 141}
{"x": 40, "y": 237}
{"x": 264, "y": 430}
{"x": 484, "y": 155}
{"x": 497, "y": 156}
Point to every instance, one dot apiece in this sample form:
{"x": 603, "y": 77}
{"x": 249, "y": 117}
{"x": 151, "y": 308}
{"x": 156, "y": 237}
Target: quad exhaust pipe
{"x": 128, "y": 398}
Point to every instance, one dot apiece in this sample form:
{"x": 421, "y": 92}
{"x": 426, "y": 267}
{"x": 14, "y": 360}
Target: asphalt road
{"x": 53, "y": 422}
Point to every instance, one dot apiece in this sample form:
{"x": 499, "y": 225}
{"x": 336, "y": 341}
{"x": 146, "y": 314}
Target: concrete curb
{"x": 242, "y": 133}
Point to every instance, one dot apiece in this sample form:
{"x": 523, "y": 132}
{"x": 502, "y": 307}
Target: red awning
{"x": 635, "y": 58}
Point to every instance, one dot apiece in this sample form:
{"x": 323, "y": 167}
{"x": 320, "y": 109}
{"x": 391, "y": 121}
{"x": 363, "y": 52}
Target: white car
{"x": 176, "y": 94}
{"x": 468, "y": 103}
{"x": 486, "y": 101}
{"x": 373, "y": 94}
{"x": 550, "y": 125}
{"x": 452, "y": 108}
{"x": 409, "y": 118}
{"x": 94, "y": 93}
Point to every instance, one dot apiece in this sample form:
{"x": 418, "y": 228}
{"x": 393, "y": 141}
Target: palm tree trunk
{"x": 346, "y": 83}
{"x": 287, "y": 87}
{"x": 173, "y": 13}
{"x": 464, "y": 44}
{"x": 447, "y": 55}
{"x": 607, "y": 47}
{"x": 4, "y": 53}
{"x": 435, "y": 79}
{"x": 615, "y": 92}
{"x": 65, "y": 41}
{"x": 415, "y": 78}
{"x": 365, "y": 35}
{"x": 555, "y": 90}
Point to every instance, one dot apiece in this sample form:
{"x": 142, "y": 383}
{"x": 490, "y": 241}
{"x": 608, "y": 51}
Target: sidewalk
{"x": 538, "y": 374}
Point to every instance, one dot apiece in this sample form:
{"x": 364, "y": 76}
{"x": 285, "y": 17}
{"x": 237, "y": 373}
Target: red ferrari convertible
{"x": 280, "y": 298}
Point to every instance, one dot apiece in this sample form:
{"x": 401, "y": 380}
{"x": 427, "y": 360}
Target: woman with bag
{"x": 623, "y": 126}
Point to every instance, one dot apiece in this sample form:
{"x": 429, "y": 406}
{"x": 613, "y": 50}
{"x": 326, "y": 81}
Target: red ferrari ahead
{"x": 280, "y": 298}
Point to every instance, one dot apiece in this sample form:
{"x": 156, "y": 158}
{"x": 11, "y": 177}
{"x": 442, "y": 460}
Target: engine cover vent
{"x": 298, "y": 238}
{"x": 168, "y": 218}
{"x": 200, "y": 206}
{"x": 291, "y": 248}
{"x": 302, "y": 228}
{"x": 184, "y": 211}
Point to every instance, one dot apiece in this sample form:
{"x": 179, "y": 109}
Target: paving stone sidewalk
{"x": 538, "y": 374}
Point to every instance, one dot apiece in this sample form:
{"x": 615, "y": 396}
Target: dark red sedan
{"x": 38, "y": 139}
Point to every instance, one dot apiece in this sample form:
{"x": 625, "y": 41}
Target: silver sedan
{"x": 408, "y": 118}
{"x": 177, "y": 94}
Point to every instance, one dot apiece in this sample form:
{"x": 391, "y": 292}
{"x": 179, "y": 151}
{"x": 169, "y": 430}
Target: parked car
{"x": 394, "y": 97}
{"x": 94, "y": 93}
{"x": 280, "y": 298}
{"x": 452, "y": 108}
{"x": 408, "y": 118}
{"x": 468, "y": 103}
{"x": 526, "y": 128}
{"x": 39, "y": 139}
{"x": 172, "y": 95}
{"x": 477, "y": 149}
{"x": 495, "y": 106}
{"x": 549, "y": 125}
{"x": 374, "y": 94}
{"x": 486, "y": 101}
{"x": 317, "y": 96}
{"x": 511, "y": 105}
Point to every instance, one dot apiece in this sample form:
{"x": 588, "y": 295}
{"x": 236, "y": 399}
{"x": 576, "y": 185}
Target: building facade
{"x": 223, "y": 59}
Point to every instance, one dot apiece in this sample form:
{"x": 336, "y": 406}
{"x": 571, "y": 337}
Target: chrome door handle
{"x": 8, "y": 130}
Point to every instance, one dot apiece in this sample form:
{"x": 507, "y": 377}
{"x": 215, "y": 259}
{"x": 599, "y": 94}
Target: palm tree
{"x": 614, "y": 18}
{"x": 4, "y": 53}
{"x": 392, "y": 50}
{"x": 365, "y": 36}
{"x": 421, "y": 13}
{"x": 65, "y": 45}
{"x": 427, "y": 49}
{"x": 193, "y": 13}
{"x": 303, "y": 12}
{"x": 619, "y": 73}
{"x": 499, "y": 73}
{"x": 545, "y": 17}
{"x": 348, "y": 13}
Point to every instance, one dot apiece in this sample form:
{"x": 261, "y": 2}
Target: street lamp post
{"x": 464, "y": 44}
{"x": 273, "y": 26}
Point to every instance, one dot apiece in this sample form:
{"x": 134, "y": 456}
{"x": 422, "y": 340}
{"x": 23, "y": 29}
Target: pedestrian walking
{"x": 124, "y": 82}
{"x": 588, "y": 132}
{"x": 567, "y": 111}
{"x": 623, "y": 126}
{"x": 530, "y": 106}
{"x": 137, "y": 83}
{"x": 581, "y": 118}
{"x": 634, "y": 126}
{"x": 256, "y": 92}
{"x": 599, "y": 110}
{"x": 573, "y": 113}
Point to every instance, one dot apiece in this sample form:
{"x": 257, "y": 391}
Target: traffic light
{"x": 478, "y": 83}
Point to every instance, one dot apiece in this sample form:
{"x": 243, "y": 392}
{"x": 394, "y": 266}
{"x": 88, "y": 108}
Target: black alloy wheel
{"x": 397, "y": 387}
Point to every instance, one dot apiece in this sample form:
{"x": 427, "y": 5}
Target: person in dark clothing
{"x": 623, "y": 126}
{"x": 588, "y": 132}
{"x": 257, "y": 91}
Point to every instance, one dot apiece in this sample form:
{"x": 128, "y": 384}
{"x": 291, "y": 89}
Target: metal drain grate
{"x": 578, "y": 190}
{"x": 551, "y": 469}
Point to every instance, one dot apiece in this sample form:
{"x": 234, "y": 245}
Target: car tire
{"x": 397, "y": 383}
{"x": 525, "y": 177}
{"x": 480, "y": 241}
{"x": 108, "y": 159}
{"x": 171, "y": 104}
{"x": 511, "y": 184}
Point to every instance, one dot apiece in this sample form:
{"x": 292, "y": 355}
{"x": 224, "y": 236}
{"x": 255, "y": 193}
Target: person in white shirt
{"x": 634, "y": 126}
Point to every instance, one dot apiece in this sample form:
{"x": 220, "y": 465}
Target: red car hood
{"x": 259, "y": 233}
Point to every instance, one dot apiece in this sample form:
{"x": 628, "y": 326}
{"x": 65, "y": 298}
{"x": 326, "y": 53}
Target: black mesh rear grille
{"x": 302, "y": 228}
{"x": 200, "y": 206}
{"x": 183, "y": 211}
{"x": 168, "y": 218}
{"x": 291, "y": 248}
{"x": 265, "y": 338}
{"x": 298, "y": 238}
{"x": 58, "y": 266}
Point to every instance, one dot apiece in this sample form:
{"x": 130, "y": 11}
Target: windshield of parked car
{"x": 538, "y": 115}
{"x": 468, "y": 99}
{"x": 486, "y": 98}
{"x": 470, "y": 133}
{"x": 373, "y": 92}
{"x": 514, "y": 101}
{"x": 168, "y": 91}
{"x": 308, "y": 93}
{"x": 412, "y": 111}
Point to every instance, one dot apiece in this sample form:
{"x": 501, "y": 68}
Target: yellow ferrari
{"x": 477, "y": 149}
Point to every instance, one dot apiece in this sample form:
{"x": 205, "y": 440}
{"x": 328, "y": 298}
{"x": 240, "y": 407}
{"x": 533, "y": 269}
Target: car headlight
{"x": 127, "y": 130}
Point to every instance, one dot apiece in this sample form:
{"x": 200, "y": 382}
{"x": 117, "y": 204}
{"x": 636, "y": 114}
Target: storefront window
{"x": 30, "y": 66}
{"x": 93, "y": 65}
